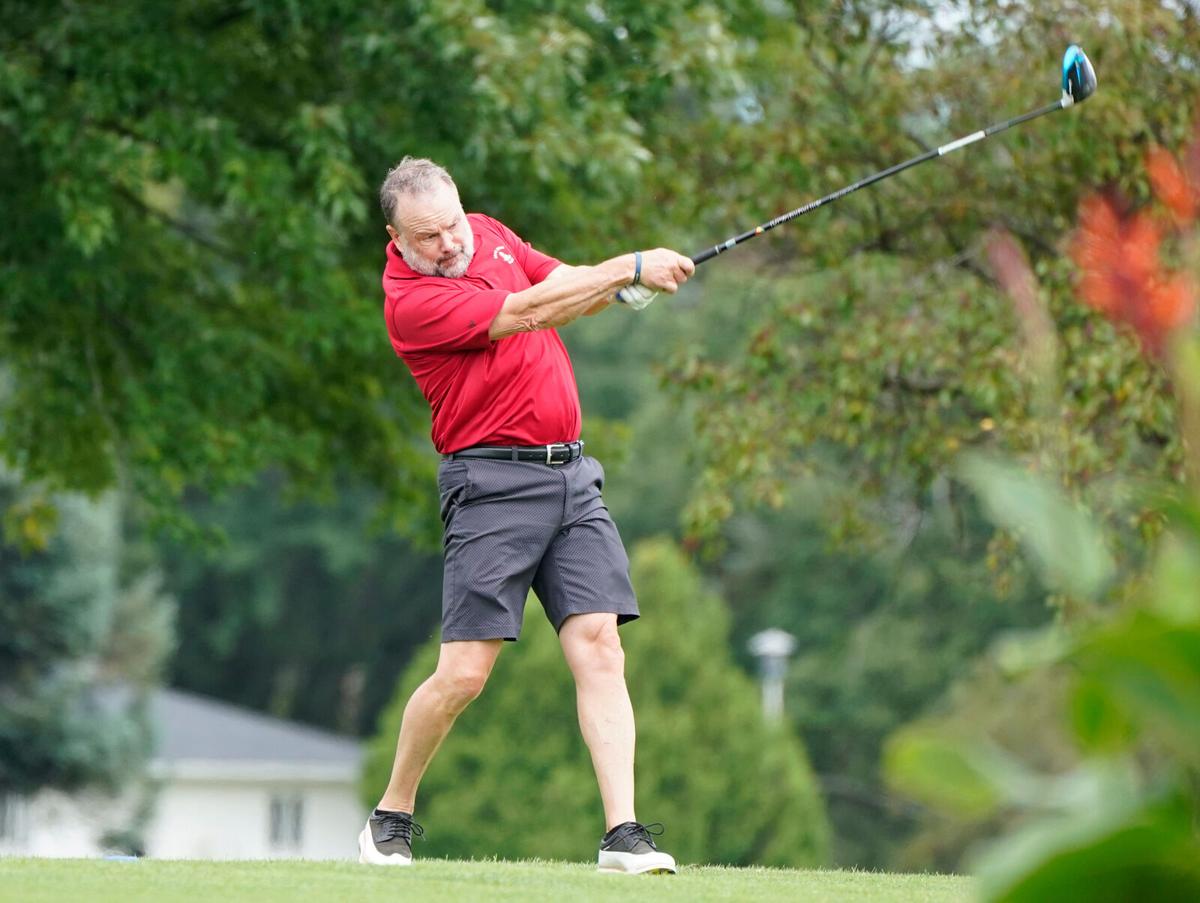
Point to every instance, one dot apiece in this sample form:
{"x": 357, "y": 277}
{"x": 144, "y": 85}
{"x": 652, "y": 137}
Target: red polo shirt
{"x": 519, "y": 390}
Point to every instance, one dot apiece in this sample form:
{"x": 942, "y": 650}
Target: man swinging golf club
{"x": 472, "y": 310}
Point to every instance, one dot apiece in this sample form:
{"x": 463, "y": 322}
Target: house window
{"x": 287, "y": 821}
{"x": 13, "y": 822}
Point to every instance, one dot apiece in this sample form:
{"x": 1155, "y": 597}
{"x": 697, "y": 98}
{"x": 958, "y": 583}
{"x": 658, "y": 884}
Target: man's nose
{"x": 448, "y": 243}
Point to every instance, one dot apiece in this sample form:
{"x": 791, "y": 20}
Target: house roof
{"x": 188, "y": 726}
{"x": 200, "y": 738}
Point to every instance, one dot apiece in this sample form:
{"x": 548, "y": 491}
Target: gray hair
{"x": 412, "y": 175}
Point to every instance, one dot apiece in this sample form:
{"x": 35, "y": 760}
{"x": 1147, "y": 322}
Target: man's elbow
{"x": 513, "y": 318}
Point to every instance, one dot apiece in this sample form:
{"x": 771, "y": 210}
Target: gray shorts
{"x": 510, "y": 525}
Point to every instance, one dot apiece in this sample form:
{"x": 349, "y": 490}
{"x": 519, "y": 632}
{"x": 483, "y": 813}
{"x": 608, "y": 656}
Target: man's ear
{"x": 391, "y": 230}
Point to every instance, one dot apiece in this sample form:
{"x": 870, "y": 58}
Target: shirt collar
{"x": 396, "y": 267}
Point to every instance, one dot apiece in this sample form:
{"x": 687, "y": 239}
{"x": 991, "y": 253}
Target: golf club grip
{"x": 706, "y": 254}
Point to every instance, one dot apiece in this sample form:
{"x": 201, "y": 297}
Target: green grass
{"x": 445, "y": 881}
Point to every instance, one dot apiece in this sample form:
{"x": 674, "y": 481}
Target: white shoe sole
{"x": 636, "y": 863}
{"x": 368, "y": 855}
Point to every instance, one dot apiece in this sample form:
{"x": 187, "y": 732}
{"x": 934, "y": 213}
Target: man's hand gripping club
{"x": 659, "y": 270}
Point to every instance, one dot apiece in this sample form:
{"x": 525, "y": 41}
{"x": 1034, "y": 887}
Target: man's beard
{"x": 456, "y": 267}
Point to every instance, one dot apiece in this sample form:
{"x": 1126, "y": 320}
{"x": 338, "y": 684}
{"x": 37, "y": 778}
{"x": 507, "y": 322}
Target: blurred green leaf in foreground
{"x": 1123, "y": 823}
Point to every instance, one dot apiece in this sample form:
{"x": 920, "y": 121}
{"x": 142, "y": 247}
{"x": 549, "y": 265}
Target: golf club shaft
{"x": 709, "y": 253}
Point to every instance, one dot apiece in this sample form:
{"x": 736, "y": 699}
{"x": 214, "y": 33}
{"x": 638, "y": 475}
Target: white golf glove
{"x": 636, "y": 296}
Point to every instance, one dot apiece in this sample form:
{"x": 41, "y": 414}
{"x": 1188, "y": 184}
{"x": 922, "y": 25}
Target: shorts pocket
{"x": 599, "y": 469}
{"x": 454, "y": 483}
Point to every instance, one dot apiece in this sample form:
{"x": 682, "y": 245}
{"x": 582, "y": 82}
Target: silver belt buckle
{"x": 550, "y": 451}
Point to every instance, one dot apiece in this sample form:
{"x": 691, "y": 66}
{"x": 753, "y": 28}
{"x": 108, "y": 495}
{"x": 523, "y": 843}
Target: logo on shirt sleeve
{"x": 502, "y": 253}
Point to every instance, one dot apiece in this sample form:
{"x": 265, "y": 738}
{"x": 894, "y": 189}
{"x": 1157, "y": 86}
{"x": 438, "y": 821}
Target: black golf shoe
{"x": 627, "y": 849}
{"x": 387, "y": 838}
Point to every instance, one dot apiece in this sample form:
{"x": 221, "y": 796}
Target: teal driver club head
{"x": 1079, "y": 78}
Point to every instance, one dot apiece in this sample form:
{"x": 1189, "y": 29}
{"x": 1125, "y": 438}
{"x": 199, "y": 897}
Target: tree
{"x": 730, "y": 787}
{"x": 882, "y": 347}
{"x": 881, "y": 635}
{"x": 191, "y": 264}
{"x": 80, "y": 615}
{"x": 304, "y": 610}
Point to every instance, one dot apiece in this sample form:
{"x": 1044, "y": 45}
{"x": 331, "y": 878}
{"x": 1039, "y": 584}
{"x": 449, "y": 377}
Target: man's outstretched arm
{"x": 565, "y": 269}
{"x": 563, "y": 297}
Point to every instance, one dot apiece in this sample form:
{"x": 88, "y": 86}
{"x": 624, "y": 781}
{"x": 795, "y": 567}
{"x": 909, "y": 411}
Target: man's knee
{"x": 595, "y": 645}
{"x": 462, "y": 671}
{"x": 460, "y": 685}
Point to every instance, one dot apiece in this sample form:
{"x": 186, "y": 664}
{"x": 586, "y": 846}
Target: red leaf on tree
{"x": 1172, "y": 185}
{"x": 1172, "y": 304}
{"x": 1122, "y": 277}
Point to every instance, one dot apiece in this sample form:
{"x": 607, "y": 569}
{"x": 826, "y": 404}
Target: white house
{"x": 231, "y": 784}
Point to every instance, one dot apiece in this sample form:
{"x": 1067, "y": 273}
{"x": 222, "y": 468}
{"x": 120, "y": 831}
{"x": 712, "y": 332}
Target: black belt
{"x": 557, "y": 453}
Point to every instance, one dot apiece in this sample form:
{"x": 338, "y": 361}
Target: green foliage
{"x": 881, "y": 634}
{"x": 55, "y": 734}
{"x": 1121, "y": 821}
{"x": 303, "y": 610}
{"x": 880, "y": 347}
{"x": 878, "y": 378}
{"x": 74, "y": 617}
{"x": 872, "y": 346}
{"x": 1067, "y": 545}
{"x": 514, "y": 777}
{"x": 1147, "y": 854}
{"x": 1149, "y": 670}
{"x": 937, "y": 768}
{"x": 191, "y": 257}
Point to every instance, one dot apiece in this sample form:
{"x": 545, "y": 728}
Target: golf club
{"x": 1078, "y": 84}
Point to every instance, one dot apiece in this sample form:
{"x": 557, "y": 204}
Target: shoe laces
{"x": 640, "y": 832}
{"x": 402, "y": 826}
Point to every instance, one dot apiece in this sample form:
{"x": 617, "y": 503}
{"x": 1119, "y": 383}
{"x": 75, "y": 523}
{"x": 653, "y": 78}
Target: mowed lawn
{"x": 446, "y": 881}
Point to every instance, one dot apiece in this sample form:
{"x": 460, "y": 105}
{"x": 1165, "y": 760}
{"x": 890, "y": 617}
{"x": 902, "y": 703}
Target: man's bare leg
{"x": 593, "y": 651}
{"x": 462, "y": 670}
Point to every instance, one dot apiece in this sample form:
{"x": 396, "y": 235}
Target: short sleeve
{"x": 537, "y": 266}
{"x": 443, "y": 318}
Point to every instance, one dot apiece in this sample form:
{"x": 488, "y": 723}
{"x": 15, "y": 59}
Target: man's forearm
{"x": 563, "y": 270}
{"x": 561, "y": 298}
